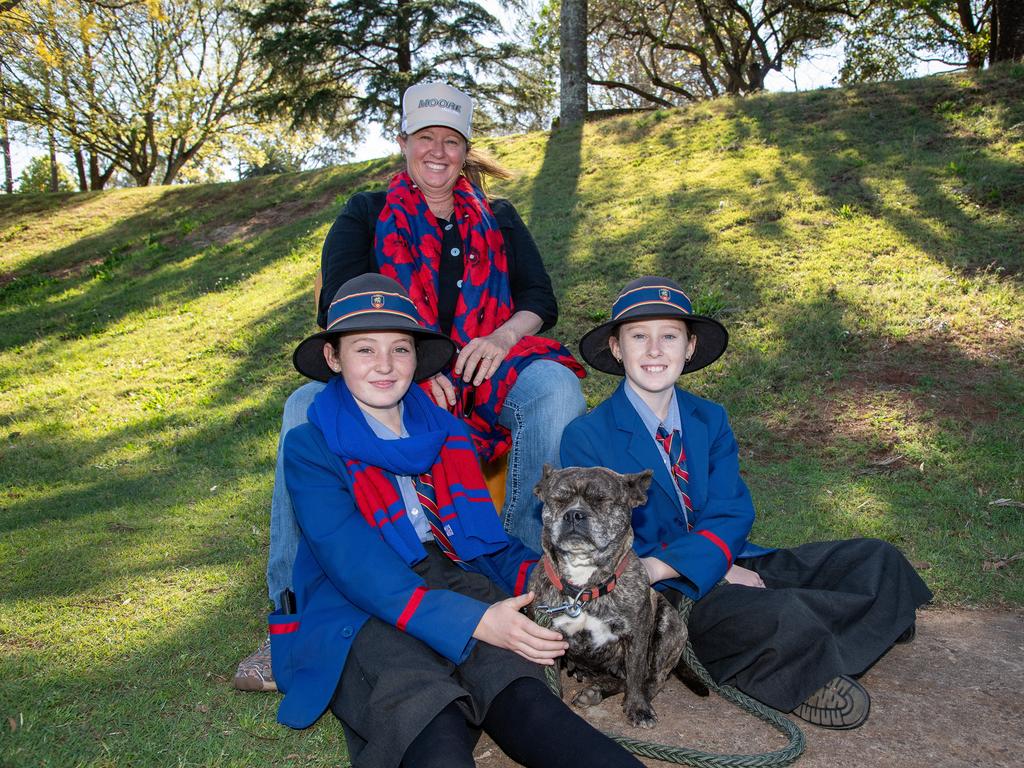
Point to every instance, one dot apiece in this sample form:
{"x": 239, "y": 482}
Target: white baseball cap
{"x": 426, "y": 104}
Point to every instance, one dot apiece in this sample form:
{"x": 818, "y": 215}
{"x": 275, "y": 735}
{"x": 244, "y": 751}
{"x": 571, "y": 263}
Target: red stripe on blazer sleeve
{"x": 524, "y": 571}
{"x": 718, "y": 543}
{"x": 410, "y": 607}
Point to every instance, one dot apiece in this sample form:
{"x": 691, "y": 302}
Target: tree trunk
{"x": 83, "y": 181}
{"x": 1007, "y": 31}
{"x": 97, "y": 178}
{"x": 969, "y": 28}
{"x": 54, "y": 179}
{"x": 573, "y": 36}
{"x": 5, "y": 142}
{"x": 403, "y": 55}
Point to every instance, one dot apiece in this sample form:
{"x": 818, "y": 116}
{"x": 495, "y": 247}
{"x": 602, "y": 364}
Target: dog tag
{"x": 573, "y": 611}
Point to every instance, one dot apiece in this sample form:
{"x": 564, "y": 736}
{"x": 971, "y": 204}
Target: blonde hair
{"x": 481, "y": 166}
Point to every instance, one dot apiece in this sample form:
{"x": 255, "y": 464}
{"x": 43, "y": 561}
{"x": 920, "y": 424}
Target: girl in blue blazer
{"x": 406, "y": 619}
{"x": 791, "y": 627}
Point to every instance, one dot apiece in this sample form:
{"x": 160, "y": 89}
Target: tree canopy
{"x": 143, "y": 85}
{"x": 340, "y": 63}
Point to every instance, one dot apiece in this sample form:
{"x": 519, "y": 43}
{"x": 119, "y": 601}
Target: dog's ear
{"x": 541, "y": 488}
{"x": 636, "y": 487}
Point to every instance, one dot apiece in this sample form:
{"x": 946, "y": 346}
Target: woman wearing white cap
{"x": 475, "y": 274}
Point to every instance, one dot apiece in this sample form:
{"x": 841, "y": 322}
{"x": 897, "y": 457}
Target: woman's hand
{"x": 503, "y": 626}
{"x": 442, "y": 390}
{"x": 657, "y": 570}
{"x": 744, "y": 577}
{"x": 478, "y": 360}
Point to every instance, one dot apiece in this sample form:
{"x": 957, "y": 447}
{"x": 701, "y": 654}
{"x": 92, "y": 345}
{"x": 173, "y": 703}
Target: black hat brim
{"x": 712, "y": 340}
{"x": 433, "y": 350}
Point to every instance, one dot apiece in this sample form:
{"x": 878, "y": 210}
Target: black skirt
{"x": 394, "y": 684}
{"x": 829, "y": 608}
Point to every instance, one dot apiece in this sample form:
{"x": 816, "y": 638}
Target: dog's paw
{"x": 641, "y": 716}
{"x": 573, "y": 671}
{"x": 588, "y": 697}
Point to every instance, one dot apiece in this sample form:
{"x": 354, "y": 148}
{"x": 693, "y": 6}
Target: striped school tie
{"x": 673, "y": 447}
{"x": 428, "y": 501}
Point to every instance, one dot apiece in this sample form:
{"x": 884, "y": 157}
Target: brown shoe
{"x": 841, "y": 703}
{"x": 908, "y": 634}
{"x": 254, "y": 672}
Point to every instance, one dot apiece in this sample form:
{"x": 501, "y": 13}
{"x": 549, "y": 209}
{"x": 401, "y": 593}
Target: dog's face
{"x": 588, "y": 511}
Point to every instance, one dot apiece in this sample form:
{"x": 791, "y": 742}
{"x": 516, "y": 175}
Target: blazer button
{"x": 346, "y": 632}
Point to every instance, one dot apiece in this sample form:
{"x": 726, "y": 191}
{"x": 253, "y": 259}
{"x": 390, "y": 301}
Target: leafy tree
{"x": 144, "y": 85}
{"x": 666, "y": 52}
{"x": 39, "y": 176}
{"x": 339, "y": 63}
{"x": 887, "y": 39}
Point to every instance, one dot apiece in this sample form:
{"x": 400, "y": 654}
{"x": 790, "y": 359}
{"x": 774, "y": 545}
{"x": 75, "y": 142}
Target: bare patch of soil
{"x": 261, "y": 221}
{"x": 950, "y": 699}
{"x": 914, "y": 380}
{"x": 61, "y": 273}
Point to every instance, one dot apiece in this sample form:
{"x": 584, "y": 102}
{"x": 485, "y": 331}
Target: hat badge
{"x": 377, "y": 300}
{"x": 663, "y": 294}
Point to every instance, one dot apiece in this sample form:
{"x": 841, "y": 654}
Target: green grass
{"x": 864, "y": 246}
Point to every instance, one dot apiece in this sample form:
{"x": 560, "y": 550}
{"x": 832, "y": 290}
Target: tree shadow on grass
{"x": 160, "y": 698}
{"x": 104, "y": 501}
{"x": 844, "y": 433}
{"x": 961, "y": 201}
{"x": 163, "y": 253}
{"x": 554, "y": 209}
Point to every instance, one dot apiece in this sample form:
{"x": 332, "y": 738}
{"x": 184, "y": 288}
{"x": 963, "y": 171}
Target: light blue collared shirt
{"x": 652, "y": 423}
{"x": 410, "y": 498}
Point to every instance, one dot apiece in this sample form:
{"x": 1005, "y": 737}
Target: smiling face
{"x": 378, "y": 368}
{"x": 434, "y": 157}
{"x": 653, "y": 352}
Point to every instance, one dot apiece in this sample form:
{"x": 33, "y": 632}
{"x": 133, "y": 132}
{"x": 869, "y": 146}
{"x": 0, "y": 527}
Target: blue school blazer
{"x": 614, "y": 436}
{"x": 345, "y": 572}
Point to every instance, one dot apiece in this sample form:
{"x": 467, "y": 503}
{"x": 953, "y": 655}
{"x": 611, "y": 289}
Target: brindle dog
{"x": 622, "y": 634}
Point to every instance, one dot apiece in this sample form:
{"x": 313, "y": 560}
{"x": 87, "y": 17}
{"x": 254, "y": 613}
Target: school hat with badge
{"x": 373, "y": 302}
{"x": 427, "y": 104}
{"x": 647, "y": 298}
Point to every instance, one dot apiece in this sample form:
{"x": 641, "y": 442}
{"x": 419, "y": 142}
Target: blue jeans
{"x": 284, "y": 530}
{"x": 544, "y": 399}
{"x": 540, "y": 405}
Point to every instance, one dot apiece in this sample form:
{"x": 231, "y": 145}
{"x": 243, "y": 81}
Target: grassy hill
{"x": 864, "y": 246}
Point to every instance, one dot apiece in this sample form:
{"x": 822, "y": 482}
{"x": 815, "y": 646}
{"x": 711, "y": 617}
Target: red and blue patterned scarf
{"x": 408, "y": 249}
{"x": 437, "y": 443}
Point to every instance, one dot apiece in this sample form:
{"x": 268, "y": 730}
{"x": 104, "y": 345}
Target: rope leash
{"x": 685, "y": 756}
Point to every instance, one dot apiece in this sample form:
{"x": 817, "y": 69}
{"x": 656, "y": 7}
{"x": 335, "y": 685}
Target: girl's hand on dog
{"x": 503, "y": 626}
{"x": 743, "y": 576}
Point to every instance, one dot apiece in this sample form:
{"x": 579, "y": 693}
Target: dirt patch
{"x": 950, "y": 699}
{"x": 62, "y": 273}
{"x": 12, "y": 643}
{"x": 261, "y": 221}
{"x": 919, "y": 380}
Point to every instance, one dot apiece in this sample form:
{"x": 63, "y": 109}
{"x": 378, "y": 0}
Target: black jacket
{"x": 348, "y": 251}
